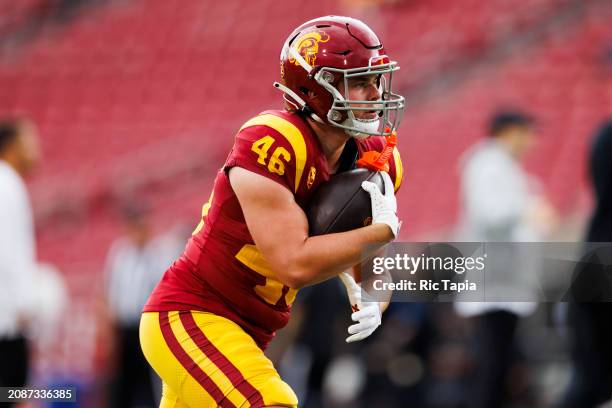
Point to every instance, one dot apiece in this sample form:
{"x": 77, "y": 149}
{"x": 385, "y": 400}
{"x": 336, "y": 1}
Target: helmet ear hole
{"x": 308, "y": 92}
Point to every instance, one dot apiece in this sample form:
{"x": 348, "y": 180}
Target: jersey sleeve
{"x": 272, "y": 147}
{"x": 396, "y": 169}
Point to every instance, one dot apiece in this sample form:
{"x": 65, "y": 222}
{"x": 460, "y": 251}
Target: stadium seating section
{"x": 143, "y": 98}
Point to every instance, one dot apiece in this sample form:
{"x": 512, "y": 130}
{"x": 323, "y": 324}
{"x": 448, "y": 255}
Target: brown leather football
{"x": 341, "y": 204}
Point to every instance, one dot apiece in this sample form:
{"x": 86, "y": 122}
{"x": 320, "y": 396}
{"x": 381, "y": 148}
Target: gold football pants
{"x": 205, "y": 360}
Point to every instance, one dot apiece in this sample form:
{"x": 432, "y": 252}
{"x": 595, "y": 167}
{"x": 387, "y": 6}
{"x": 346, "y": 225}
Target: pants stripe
{"x": 221, "y": 361}
{"x": 190, "y": 365}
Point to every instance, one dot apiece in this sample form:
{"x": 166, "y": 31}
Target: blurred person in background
{"x": 134, "y": 264}
{"x": 501, "y": 203}
{"x": 318, "y": 309}
{"x": 591, "y": 323}
{"x": 19, "y": 154}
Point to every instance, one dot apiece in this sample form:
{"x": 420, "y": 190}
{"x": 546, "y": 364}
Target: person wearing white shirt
{"x": 501, "y": 203}
{"x": 19, "y": 153}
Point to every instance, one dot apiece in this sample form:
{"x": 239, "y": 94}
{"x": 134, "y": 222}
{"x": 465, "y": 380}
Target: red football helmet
{"x": 322, "y": 52}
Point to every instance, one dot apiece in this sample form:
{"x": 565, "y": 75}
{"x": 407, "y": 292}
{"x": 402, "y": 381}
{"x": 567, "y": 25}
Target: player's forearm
{"x": 366, "y": 281}
{"x": 383, "y": 297}
{"x": 323, "y": 257}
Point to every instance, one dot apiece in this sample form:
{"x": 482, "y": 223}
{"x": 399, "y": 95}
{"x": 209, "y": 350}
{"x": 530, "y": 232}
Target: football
{"x": 341, "y": 204}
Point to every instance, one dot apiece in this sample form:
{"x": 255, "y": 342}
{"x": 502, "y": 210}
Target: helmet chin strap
{"x": 296, "y": 99}
{"x": 297, "y": 102}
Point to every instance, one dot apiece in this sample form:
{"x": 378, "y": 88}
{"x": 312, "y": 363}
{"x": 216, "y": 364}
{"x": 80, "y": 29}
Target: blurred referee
{"x": 134, "y": 265}
{"x": 19, "y": 153}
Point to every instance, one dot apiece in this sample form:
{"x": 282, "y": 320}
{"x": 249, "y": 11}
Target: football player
{"x": 207, "y": 323}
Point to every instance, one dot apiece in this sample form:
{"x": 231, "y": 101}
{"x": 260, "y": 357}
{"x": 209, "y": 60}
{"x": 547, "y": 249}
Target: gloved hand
{"x": 366, "y": 311}
{"x": 384, "y": 207}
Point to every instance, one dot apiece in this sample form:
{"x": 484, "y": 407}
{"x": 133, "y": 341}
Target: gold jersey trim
{"x": 399, "y": 168}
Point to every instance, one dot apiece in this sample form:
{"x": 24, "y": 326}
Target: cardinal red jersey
{"x": 221, "y": 270}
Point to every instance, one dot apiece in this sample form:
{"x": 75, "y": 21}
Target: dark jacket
{"x": 600, "y": 229}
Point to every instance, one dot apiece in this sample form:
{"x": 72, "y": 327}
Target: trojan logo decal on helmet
{"x": 326, "y": 52}
{"x": 307, "y": 45}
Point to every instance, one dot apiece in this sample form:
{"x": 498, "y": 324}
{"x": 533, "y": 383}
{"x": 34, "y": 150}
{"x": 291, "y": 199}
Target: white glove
{"x": 366, "y": 311}
{"x": 384, "y": 207}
